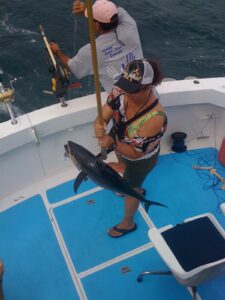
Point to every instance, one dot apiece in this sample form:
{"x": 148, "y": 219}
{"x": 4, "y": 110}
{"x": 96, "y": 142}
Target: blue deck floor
{"x": 37, "y": 270}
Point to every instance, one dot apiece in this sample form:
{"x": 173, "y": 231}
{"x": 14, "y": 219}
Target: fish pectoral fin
{"x": 79, "y": 179}
{"x": 148, "y": 203}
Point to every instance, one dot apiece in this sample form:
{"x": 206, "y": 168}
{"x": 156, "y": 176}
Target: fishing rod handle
{"x": 47, "y": 45}
{"x": 104, "y": 153}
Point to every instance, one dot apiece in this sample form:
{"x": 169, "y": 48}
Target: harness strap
{"x": 140, "y": 114}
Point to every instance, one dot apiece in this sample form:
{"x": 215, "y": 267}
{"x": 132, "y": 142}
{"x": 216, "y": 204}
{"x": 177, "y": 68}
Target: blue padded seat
{"x": 195, "y": 243}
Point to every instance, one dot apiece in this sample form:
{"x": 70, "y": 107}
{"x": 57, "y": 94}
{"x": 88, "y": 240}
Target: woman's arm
{"x": 149, "y": 129}
{"x": 100, "y": 129}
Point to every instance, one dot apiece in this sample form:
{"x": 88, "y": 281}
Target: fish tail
{"x": 148, "y": 203}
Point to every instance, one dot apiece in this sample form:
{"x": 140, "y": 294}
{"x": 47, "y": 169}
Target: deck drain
{"x": 125, "y": 270}
{"x": 90, "y": 202}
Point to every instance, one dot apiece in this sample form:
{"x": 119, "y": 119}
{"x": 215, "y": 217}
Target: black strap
{"x": 143, "y": 112}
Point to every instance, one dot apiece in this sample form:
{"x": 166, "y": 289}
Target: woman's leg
{"x": 131, "y": 206}
{"x": 118, "y": 166}
{"x": 135, "y": 173}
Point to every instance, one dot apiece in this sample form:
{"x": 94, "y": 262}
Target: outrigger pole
{"x": 95, "y": 67}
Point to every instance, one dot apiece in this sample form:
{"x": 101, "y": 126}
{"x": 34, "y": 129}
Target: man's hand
{"x": 78, "y": 7}
{"x": 54, "y": 47}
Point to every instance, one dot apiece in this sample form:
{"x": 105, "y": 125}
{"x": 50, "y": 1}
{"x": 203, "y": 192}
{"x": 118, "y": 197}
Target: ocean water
{"x": 186, "y": 36}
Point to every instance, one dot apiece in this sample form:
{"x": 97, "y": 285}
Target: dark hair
{"x": 110, "y": 26}
{"x": 158, "y": 76}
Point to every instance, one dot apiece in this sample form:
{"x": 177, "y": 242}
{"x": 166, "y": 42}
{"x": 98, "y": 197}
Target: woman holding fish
{"x": 139, "y": 122}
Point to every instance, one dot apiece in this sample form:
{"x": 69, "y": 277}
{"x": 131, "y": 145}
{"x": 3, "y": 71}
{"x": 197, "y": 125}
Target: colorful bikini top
{"x": 127, "y": 130}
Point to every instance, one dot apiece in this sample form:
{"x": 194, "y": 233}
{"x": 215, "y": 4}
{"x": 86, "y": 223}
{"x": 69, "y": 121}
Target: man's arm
{"x": 58, "y": 53}
{"x": 125, "y": 18}
{"x": 77, "y": 8}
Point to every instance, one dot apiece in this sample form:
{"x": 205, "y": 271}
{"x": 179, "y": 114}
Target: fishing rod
{"x": 95, "y": 67}
{"x": 60, "y": 75}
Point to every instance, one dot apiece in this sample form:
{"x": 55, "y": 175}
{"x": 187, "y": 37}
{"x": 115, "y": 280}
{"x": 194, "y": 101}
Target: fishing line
{"x": 211, "y": 182}
{"x": 200, "y": 159}
{"x": 214, "y": 133}
{"x": 200, "y": 133}
{"x": 75, "y": 30}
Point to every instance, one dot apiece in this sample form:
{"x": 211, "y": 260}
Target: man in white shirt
{"x": 117, "y": 43}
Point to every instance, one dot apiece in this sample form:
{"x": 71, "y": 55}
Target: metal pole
{"x": 11, "y": 113}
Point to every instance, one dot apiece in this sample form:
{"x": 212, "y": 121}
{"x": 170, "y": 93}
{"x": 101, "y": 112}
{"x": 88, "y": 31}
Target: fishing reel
{"x": 60, "y": 76}
{"x": 7, "y": 95}
{"x": 60, "y": 80}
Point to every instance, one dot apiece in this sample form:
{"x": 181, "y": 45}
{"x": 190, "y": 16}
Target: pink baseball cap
{"x": 103, "y": 10}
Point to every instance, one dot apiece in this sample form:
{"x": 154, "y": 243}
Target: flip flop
{"x": 122, "y": 231}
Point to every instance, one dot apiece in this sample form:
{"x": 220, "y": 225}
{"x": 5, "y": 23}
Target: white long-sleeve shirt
{"x": 115, "y": 50}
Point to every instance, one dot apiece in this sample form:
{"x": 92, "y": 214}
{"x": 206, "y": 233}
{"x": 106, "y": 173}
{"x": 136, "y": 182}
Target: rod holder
{"x": 63, "y": 101}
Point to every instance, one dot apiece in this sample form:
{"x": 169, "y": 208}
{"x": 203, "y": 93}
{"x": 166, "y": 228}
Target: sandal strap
{"x": 121, "y": 230}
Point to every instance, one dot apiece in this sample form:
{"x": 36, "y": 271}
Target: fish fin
{"x": 148, "y": 203}
{"x": 80, "y": 177}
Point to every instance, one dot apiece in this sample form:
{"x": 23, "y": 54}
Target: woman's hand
{"x": 105, "y": 141}
{"x": 78, "y": 7}
{"x": 100, "y": 130}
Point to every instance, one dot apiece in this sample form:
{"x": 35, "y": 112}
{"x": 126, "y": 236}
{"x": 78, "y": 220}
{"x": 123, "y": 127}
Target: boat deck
{"x": 55, "y": 247}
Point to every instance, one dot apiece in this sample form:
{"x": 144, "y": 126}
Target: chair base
{"x": 141, "y": 275}
{"x": 194, "y": 293}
